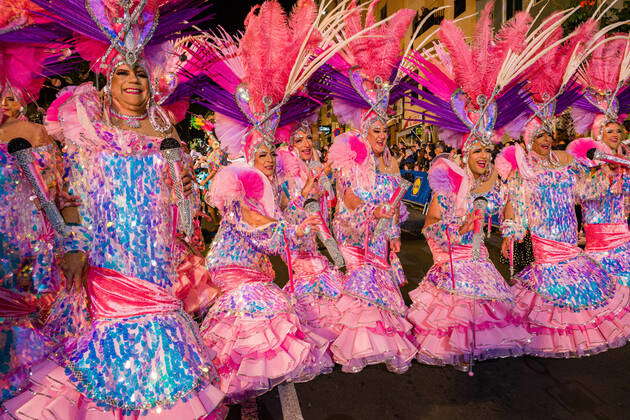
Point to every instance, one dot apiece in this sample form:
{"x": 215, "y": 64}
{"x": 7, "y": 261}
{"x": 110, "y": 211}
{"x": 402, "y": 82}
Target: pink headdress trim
{"x": 353, "y": 157}
{"x": 241, "y": 182}
{"x": 446, "y": 177}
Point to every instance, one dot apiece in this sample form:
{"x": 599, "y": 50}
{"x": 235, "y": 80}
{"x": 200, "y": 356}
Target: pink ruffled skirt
{"x": 452, "y": 329}
{"x": 371, "y": 335}
{"x": 257, "y": 351}
{"x": 52, "y": 396}
{"x": 562, "y": 332}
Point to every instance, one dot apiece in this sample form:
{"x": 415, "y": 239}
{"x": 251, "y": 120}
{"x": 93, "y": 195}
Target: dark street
{"x": 524, "y": 388}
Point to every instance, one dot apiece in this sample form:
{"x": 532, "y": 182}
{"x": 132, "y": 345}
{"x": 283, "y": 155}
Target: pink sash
{"x": 458, "y": 253}
{"x": 605, "y": 236}
{"x": 229, "y": 277}
{"x": 548, "y": 251}
{"x": 356, "y": 257}
{"x": 14, "y": 305}
{"x": 309, "y": 265}
{"x": 193, "y": 285}
{"x": 114, "y": 295}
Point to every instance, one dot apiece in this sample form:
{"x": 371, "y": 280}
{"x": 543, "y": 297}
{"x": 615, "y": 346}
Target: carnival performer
{"x": 462, "y": 310}
{"x": 29, "y": 276}
{"x": 253, "y": 327}
{"x": 142, "y": 355}
{"x": 570, "y": 305}
{"x": 601, "y": 110}
{"x": 373, "y": 328}
{"x": 316, "y": 284}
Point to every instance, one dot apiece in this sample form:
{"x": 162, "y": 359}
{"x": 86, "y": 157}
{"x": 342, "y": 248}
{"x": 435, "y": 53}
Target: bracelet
{"x": 77, "y": 239}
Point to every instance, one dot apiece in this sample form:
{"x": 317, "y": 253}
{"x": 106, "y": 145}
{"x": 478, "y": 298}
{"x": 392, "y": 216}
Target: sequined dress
{"x": 253, "y": 326}
{"x": 315, "y": 284}
{"x": 27, "y": 245}
{"x": 570, "y": 305}
{"x": 463, "y": 312}
{"x": 373, "y": 324}
{"x": 606, "y": 228}
{"x": 137, "y": 360}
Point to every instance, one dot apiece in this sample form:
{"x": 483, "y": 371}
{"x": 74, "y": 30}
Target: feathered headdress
{"x": 476, "y": 92}
{"x": 109, "y": 33}
{"x": 364, "y": 79}
{"x": 606, "y": 93}
{"x": 260, "y": 78}
{"x": 27, "y": 53}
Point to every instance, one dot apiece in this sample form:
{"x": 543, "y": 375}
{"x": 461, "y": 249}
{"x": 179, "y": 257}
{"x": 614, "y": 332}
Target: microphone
{"x": 595, "y": 154}
{"x": 324, "y": 235}
{"x": 479, "y": 205}
{"x": 393, "y": 202}
{"x": 171, "y": 151}
{"x": 21, "y": 150}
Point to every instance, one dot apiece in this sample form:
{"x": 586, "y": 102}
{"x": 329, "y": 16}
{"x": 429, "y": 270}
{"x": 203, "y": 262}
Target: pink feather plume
{"x": 579, "y": 147}
{"x": 269, "y": 48}
{"x": 506, "y": 162}
{"x": 240, "y": 181}
{"x": 602, "y": 71}
{"x": 378, "y": 52}
{"x": 445, "y": 177}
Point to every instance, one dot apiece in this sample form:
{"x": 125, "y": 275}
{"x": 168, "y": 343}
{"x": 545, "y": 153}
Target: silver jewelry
{"x": 154, "y": 112}
{"x": 131, "y": 120}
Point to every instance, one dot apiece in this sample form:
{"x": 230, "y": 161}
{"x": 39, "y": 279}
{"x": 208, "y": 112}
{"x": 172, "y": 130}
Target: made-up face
{"x": 542, "y": 144}
{"x": 479, "y": 159}
{"x": 303, "y": 144}
{"x": 265, "y": 160}
{"x": 377, "y": 137}
{"x": 10, "y": 106}
{"x": 130, "y": 89}
{"x": 612, "y": 135}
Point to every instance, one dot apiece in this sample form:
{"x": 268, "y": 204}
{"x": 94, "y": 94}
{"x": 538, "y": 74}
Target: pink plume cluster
{"x": 476, "y": 66}
{"x": 602, "y": 71}
{"x": 288, "y": 165}
{"x": 21, "y": 66}
{"x": 545, "y": 75}
{"x": 378, "y": 52}
{"x": 445, "y": 177}
{"x": 240, "y": 181}
{"x": 270, "y": 46}
{"x": 506, "y": 162}
{"x": 579, "y": 147}
{"x": 16, "y": 13}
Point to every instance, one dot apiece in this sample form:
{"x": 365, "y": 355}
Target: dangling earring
{"x": 154, "y": 112}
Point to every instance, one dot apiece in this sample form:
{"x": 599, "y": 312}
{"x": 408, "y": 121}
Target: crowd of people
{"x": 112, "y": 306}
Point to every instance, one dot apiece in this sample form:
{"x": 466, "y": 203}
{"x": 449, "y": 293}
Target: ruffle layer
{"x": 255, "y": 354}
{"x": 451, "y": 329}
{"x": 371, "y": 335}
{"x": 560, "y": 332}
{"x": 52, "y": 396}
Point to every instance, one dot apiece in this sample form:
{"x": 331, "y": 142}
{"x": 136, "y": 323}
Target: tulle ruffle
{"x": 315, "y": 298}
{"x": 254, "y": 354}
{"x": 451, "y": 329}
{"x": 52, "y": 396}
{"x": 371, "y": 335}
{"x": 561, "y": 332}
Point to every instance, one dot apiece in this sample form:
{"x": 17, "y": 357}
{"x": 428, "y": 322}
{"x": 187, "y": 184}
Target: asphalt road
{"x": 596, "y": 387}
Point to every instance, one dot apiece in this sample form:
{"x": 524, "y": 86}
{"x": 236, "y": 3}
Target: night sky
{"x": 231, "y": 15}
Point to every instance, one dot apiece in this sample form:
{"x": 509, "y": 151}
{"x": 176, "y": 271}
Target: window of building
{"x": 511, "y": 7}
{"x": 460, "y": 7}
{"x": 383, "y": 12}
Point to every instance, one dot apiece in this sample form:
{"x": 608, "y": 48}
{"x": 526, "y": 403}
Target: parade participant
{"x": 142, "y": 355}
{"x": 373, "y": 325}
{"x": 601, "y": 110}
{"x": 316, "y": 284}
{"x": 29, "y": 278}
{"x": 569, "y": 304}
{"x": 463, "y": 309}
{"x": 253, "y": 327}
